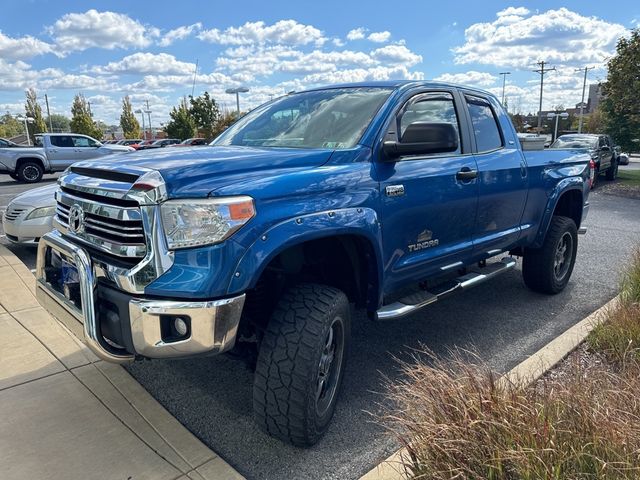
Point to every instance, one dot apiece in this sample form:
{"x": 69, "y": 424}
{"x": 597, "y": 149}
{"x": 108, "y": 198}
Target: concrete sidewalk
{"x": 66, "y": 415}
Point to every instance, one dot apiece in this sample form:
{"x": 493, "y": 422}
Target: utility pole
{"x": 541, "y": 72}
{"x": 89, "y": 106}
{"x": 504, "y": 80}
{"x": 46, "y": 100}
{"x": 584, "y": 86}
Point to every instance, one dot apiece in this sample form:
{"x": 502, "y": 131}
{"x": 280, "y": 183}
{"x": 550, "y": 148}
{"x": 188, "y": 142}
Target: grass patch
{"x": 458, "y": 420}
{"x": 619, "y": 336}
{"x": 629, "y": 177}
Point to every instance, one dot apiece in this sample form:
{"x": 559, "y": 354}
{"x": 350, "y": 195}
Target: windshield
{"x": 574, "y": 142}
{"x": 333, "y": 118}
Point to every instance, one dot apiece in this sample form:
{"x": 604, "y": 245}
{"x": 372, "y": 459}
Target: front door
{"x": 85, "y": 147}
{"x": 428, "y": 207}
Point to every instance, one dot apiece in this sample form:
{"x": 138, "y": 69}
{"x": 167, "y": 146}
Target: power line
{"x": 584, "y": 86}
{"x": 542, "y": 71}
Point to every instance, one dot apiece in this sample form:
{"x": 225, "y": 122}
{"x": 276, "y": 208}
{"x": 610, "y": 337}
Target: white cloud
{"x": 23, "y": 47}
{"x": 399, "y": 54}
{"x": 283, "y": 32}
{"x": 179, "y": 34}
{"x": 558, "y": 36}
{"x": 147, "y": 63}
{"x": 379, "y": 37}
{"x": 511, "y": 11}
{"x": 110, "y": 30}
{"x": 356, "y": 34}
{"x": 471, "y": 78}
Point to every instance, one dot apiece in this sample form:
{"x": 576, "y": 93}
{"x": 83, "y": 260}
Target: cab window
{"x": 83, "y": 142}
{"x": 485, "y": 124}
{"x": 436, "y": 107}
{"x": 61, "y": 141}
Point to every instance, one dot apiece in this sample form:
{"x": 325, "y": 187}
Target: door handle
{"x": 465, "y": 174}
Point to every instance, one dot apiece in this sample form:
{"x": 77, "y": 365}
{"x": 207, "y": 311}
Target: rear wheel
{"x": 29, "y": 172}
{"x": 548, "y": 269}
{"x": 301, "y": 363}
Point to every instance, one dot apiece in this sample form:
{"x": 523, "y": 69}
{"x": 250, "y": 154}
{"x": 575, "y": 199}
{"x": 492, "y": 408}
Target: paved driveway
{"x": 502, "y": 319}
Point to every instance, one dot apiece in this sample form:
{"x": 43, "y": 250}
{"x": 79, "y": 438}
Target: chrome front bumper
{"x": 213, "y": 324}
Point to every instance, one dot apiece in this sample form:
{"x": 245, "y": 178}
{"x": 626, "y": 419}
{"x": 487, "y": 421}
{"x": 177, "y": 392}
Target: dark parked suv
{"x": 601, "y": 147}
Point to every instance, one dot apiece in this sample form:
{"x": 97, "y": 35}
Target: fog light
{"x": 180, "y": 326}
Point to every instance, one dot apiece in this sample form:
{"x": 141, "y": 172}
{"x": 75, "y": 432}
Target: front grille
{"x": 109, "y": 228}
{"x": 13, "y": 212}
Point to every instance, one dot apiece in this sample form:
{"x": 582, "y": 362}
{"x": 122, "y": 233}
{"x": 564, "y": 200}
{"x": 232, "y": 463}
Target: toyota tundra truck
{"x": 386, "y": 196}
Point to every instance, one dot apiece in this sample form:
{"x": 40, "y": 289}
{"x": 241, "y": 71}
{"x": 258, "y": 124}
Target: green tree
{"x": 621, "y": 102}
{"x": 226, "y": 119}
{"x": 81, "y": 121}
{"x": 206, "y": 113}
{"x": 60, "y": 123}
{"x": 182, "y": 125}
{"x": 10, "y": 127}
{"x": 32, "y": 109}
{"x": 595, "y": 122}
{"x": 128, "y": 121}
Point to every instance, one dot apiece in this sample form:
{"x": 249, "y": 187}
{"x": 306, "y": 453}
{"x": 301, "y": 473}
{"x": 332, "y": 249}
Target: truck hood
{"x": 197, "y": 171}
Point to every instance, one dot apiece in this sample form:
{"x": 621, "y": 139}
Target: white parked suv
{"x": 53, "y": 152}
{"x": 29, "y": 215}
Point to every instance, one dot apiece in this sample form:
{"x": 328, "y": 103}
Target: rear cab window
{"x": 485, "y": 124}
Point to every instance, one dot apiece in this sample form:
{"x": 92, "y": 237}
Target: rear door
{"x": 428, "y": 209}
{"x": 502, "y": 177}
{"x": 62, "y": 152}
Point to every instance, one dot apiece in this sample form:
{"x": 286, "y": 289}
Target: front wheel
{"x": 301, "y": 363}
{"x": 548, "y": 269}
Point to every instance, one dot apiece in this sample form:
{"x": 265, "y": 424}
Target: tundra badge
{"x": 394, "y": 190}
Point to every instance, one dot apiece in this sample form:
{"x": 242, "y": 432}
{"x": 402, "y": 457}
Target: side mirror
{"x": 422, "y": 138}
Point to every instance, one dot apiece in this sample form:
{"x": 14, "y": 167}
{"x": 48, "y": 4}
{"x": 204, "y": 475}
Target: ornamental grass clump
{"x": 457, "y": 420}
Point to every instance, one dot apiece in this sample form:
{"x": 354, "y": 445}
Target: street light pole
{"x": 584, "y": 86}
{"x": 558, "y": 115}
{"x": 504, "y": 80}
{"x": 237, "y": 91}
{"x": 148, "y": 112}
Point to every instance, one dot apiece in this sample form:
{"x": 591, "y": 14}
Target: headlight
{"x": 190, "y": 223}
{"x": 41, "y": 212}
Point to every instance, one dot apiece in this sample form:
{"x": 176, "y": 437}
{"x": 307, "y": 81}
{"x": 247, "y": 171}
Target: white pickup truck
{"x": 53, "y": 152}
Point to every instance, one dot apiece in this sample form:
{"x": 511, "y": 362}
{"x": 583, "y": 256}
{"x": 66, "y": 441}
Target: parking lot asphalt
{"x": 502, "y": 320}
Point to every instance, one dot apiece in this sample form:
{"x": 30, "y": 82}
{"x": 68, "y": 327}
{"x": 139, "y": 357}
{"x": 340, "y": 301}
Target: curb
{"x": 115, "y": 390}
{"x": 525, "y": 373}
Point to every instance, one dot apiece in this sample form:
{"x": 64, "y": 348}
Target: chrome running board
{"x": 416, "y": 301}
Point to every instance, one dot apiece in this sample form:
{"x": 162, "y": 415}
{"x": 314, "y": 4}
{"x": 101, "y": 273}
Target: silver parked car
{"x": 29, "y": 215}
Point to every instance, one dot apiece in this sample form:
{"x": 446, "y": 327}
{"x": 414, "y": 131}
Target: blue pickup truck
{"x": 387, "y": 196}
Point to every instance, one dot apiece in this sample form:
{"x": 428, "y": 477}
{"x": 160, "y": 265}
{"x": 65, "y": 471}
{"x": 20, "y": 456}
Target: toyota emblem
{"x": 76, "y": 219}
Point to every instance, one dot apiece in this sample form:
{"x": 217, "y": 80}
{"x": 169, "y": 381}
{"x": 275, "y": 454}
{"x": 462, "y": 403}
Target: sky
{"x": 148, "y": 50}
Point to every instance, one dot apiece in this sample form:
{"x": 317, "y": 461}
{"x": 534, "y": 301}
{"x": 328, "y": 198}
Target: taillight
{"x": 592, "y": 172}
